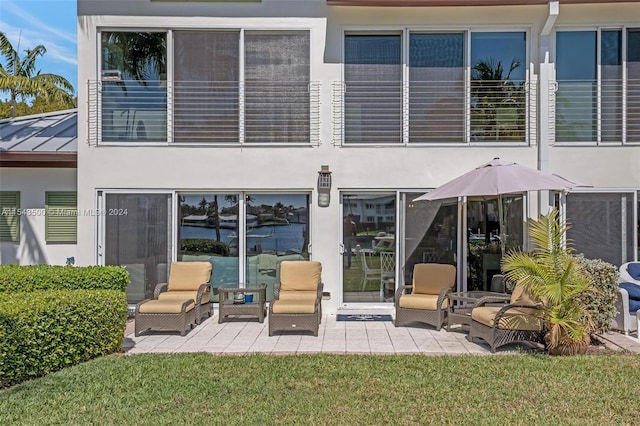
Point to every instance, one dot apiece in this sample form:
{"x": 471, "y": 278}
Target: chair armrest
{"x": 492, "y": 299}
{"x": 185, "y": 304}
{"x": 276, "y": 291}
{"x": 140, "y": 303}
{"x": 203, "y": 288}
{"x": 320, "y": 288}
{"x": 159, "y": 289}
{"x": 505, "y": 308}
{"x": 399, "y": 292}
{"x": 621, "y": 321}
{"x": 444, "y": 294}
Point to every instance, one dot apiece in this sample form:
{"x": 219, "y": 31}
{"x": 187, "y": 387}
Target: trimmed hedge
{"x": 601, "y": 305}
{"x": 42, "y": 332}
{"x": 46, "y": 277}
{"x": 204, "y": 245}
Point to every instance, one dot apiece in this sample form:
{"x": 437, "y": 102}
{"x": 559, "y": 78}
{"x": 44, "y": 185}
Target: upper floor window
{"x": 134, "y": 86}
{"x": 460, "y": 87}
{"x": 228, "y": 86}
{"x": 598, "y": 86}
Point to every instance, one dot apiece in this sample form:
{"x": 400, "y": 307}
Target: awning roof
{"x": 41, "y": 140}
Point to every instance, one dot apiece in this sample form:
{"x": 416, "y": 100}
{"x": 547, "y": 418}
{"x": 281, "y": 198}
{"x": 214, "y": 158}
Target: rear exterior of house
{"x": 205, "y": 127}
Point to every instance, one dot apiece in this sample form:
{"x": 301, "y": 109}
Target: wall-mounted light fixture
{"x": 324, "y": 186}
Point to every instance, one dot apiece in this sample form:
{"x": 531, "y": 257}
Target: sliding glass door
{"x": 137, "y": 235}
{"x": 369, "y": 241}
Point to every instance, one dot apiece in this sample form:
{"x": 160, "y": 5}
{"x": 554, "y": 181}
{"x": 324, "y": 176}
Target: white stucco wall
{"x": 32, "y": 184}
{"x": 295, "y": 169}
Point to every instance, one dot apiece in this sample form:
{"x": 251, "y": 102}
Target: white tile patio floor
{"x": 245, "y": 335}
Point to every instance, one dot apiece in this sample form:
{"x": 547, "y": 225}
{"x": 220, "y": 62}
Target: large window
{"x": 602, "y": 225}
{"x": 228, "y": 86}
{"x": 274, "y": 229}
{"x": 597, "y": 98}
{"x": 450, "y": 95}
{"x": 134, "y": 87}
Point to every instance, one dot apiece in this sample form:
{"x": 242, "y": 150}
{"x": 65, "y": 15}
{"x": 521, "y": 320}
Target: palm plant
{"x": 552, "y": 275}
{"x": 20, "y": 78}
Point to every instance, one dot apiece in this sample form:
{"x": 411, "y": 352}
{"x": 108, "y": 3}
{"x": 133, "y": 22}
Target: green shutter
{"x": 9, "y": 218}
{"x": 61, "y": 217}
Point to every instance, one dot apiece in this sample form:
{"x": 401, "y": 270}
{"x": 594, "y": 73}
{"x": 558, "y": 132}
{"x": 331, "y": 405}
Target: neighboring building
{"x": 218, "y": 107}
{"x": 38, "y": 160}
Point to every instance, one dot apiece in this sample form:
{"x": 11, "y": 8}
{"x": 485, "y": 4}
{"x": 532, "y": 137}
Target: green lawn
{"x": 332, "y": 390}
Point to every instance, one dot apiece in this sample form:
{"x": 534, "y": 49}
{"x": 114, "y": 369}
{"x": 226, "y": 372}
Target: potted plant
{"x": 552, "y": 274}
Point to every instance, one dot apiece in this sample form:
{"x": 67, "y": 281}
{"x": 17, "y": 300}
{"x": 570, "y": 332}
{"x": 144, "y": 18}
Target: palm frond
{"x": 29, "y": 61}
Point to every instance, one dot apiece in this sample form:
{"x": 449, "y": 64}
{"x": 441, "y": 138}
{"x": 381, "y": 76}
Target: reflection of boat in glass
{"x": 230, "y": 221}
{"x": 255, "y": 243}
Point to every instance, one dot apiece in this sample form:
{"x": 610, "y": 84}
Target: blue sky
{"x": 51, "y": 23}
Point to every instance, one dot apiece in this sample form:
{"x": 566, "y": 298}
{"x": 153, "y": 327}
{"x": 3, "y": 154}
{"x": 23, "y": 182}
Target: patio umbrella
{"x": 495, "y": 179}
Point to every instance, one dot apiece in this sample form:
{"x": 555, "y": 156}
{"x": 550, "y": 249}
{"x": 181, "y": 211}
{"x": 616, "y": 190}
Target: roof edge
{"x": 39, "y": 159}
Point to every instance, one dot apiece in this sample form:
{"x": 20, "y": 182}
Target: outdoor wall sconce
{"x": 324, "y": 186}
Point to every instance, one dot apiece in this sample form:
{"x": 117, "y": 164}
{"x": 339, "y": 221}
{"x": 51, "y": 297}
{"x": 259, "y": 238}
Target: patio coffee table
{"x": 461, "y": 313}
{"x": 230, "y": 305}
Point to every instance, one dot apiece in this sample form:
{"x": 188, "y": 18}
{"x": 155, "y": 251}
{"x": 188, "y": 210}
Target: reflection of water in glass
{"x": 273, "y": 239}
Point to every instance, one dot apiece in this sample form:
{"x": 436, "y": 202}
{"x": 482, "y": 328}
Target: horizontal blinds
{"x": 61, "y": 217}
{"x": 9, "y": 218}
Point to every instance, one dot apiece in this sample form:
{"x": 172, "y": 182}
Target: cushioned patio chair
{"x": 627, "y": 303}
{"x": 297, "y": 303}
{"x": 519, "y": 321}
{"x": 188, "y": 280}
{"x": 428, "y": 301}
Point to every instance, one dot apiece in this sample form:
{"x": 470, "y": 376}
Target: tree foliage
{"x": 20, "y": 78}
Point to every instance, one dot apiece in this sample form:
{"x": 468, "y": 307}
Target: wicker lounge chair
{"x": 297, "y": 303}
{"x": 428, "y": 301}
{"x": 188, "y": 280}
{"x": 519, "y": 321}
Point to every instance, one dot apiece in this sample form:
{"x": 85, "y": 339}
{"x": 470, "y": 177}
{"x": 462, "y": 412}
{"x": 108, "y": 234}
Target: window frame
{"x": 313, "y": 88}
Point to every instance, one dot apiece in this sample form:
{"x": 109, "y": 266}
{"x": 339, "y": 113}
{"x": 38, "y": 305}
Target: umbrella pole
{"x": 501, "y": 224}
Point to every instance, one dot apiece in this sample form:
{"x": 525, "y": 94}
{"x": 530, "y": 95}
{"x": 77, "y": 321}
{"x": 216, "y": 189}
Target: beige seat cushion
{"x": 184, "y": 295}
{"x": 164, "y": 307}
{"x": 308, "y": 296}
{"x": 293, "y": 307}
{"x": 188, "y": 275}
{"x": 514, "y": 319}
{"x": 432, "y": 278}
{"x": 301, "y": 275}
{"x": 421, "y": 301}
